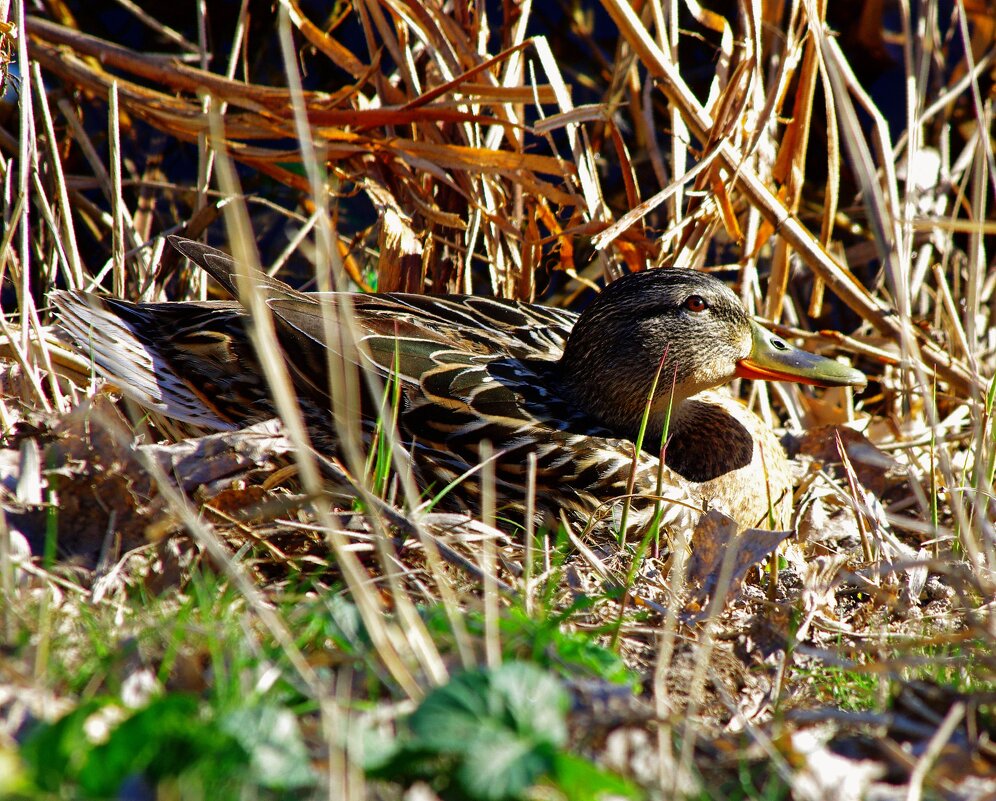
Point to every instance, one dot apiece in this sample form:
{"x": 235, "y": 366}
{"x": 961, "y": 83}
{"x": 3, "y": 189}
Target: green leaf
{"x": 13, "y": 776}
{"x": 54, "y": 752}
{"x": 271, "y": 737}
{"x": 580, "y": 651}
{"x": 449, "y": 717}
{"x": 171, "y": 736}
{"x": 499, "y": 765}
{"x": 518, "y": 696}
{"x": 580, "y": 780}
{"x": 535, "y": 700}
{"x": 372, "y": 747}
{"x": 500, "y": 729}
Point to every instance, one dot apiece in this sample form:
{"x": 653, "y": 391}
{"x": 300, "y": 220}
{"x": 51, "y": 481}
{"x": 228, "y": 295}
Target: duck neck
{"x": 612, "y": 378}
{"x": 621, "y": 405}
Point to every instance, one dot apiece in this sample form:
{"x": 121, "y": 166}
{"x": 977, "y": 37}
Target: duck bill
{"x": 773, "y": 359}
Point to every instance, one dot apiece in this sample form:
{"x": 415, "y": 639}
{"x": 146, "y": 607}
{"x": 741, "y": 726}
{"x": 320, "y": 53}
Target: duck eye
{"x": 695, "y": 303}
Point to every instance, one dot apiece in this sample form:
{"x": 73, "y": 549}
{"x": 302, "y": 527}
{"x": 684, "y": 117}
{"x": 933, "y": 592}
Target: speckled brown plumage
{"x": 571, "y": 389}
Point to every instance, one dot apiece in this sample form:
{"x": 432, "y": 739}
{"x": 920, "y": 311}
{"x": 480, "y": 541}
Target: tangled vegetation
{"x": 189, "y": 614}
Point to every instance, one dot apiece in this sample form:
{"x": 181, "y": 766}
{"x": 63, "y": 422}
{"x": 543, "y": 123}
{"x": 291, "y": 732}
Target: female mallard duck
{"x": 573, "y": 389}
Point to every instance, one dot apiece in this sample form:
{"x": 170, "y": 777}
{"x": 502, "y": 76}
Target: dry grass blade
{"x": 352, "y": 137}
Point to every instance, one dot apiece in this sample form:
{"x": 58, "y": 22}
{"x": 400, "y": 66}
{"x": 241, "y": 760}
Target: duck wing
{"x": 183, "y": 360}
{"x": 514, "y": 406}
{"x": 481, "y": 324}
{"x": 400, "y": 335}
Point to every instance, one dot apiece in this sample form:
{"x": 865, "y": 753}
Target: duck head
{"x": 700, "y": 330}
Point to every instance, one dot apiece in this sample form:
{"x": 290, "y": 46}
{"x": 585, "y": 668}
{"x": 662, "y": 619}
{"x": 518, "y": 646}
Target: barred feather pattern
{"x": 471, "y": 370}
